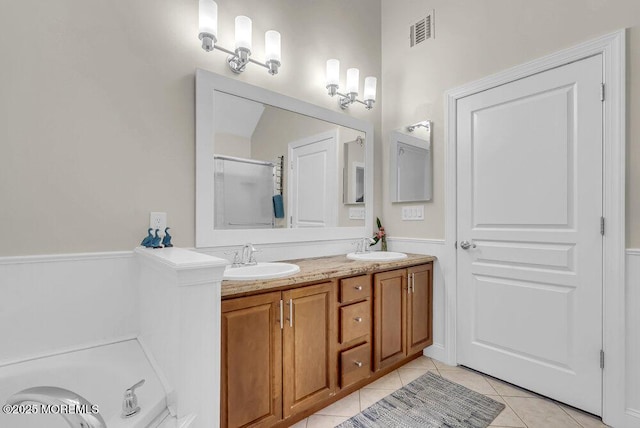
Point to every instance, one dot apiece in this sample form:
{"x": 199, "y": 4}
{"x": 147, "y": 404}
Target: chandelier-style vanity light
{"x": 239, "y": 58}
{"x": 353, "y": 83}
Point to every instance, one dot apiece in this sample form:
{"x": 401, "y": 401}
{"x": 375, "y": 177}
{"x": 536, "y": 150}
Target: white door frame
{"x": 612, "y": 47}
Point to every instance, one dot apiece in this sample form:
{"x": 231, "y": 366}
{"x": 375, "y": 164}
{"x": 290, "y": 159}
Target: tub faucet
{"x": 81, "y": 413}
{"x": 130, "y": 402}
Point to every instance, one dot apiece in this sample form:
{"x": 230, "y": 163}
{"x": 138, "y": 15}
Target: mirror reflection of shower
{"x": 271, "y": 172}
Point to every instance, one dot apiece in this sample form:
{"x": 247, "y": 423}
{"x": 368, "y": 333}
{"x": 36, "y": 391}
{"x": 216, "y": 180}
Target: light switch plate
{"x": 413, "y": 213}
{"x": 356, "y": 213}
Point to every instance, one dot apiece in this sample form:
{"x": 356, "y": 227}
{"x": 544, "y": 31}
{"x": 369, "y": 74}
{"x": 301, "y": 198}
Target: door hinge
{"x": 602, "y": 226}
{"x": 291, "y": 163}
{"x": 455, "y": 245}
{"x": 601, "y": 359}
{"x": 602, "y": 92}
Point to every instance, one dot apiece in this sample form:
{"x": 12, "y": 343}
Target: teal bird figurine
{"x": 146, "y": 242}
{"x": 156, "y": 240}
{"x": 166, "y": 241}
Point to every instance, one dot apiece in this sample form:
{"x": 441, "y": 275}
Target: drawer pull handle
{"x": 358, "y": 287}
{"x": 358, "y": 319}
{"x": 358, "y": 363}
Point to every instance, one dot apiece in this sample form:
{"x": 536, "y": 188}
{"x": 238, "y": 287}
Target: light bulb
{"x": 272, "y": 46}
{"x": 243, "y": 32}
{"x": 353, "y": 80}
{"x": 370, "y": 88}
{"x": 208, "y": 17}
{"x": 333, "y": 72}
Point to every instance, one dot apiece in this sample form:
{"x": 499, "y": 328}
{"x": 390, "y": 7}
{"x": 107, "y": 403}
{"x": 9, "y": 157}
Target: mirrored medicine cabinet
{"x": 411, "y": 171}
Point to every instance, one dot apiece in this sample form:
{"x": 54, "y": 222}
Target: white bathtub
{"x": 101, "y": 375}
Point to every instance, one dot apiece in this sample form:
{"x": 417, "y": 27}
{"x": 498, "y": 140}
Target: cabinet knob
{"x": 358, "y": 363}
{"x": 358, "y": 319}
{"x": 358, "y": 287}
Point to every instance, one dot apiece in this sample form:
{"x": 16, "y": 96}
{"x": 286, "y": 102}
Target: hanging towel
{"x": 278, "y": 206}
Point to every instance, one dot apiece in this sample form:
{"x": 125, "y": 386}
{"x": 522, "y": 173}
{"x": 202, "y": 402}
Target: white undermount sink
{"x": 377, "y": 256}
{"x": 260, "y": 271}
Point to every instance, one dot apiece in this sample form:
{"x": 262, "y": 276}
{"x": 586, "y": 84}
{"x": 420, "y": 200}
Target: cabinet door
{"x": 389, "y": 299}
{"x": 309, "y": 365}
{"x": 419, "y": 308}
{"x": 251, "y": 376}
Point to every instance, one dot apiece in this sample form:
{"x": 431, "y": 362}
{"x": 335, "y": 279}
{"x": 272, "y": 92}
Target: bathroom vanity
{"x": 291, "y": 346}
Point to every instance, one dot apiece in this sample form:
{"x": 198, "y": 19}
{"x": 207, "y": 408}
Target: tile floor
{"x": 523, "y": 409}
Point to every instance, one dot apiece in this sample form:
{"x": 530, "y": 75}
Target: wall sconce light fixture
{"x": 353, "y": 82}
{"x": 241, "y": 56}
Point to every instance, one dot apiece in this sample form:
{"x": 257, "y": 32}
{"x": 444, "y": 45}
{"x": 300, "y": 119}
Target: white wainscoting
{"x": 633, "y": 337}
{"x": 288, "y": 250}
{"x": 441, "y": 277}
{"x": 444, "y": 275}
{"x": 60, "y": 303}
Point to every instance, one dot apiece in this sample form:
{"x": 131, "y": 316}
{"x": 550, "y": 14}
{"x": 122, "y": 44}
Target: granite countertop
{"x": 318, "y": 269}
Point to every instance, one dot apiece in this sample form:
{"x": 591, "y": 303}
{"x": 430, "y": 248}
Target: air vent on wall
{"x": 422, "y": 30}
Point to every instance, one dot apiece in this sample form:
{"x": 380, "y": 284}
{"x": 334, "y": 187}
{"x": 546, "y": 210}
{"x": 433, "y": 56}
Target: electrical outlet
{"x": 158, "y": 221}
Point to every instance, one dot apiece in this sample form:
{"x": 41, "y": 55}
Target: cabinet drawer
{"x": 355, "y": 321}
{"x": 355, "y": 364}
{"x": 356, "y": 288}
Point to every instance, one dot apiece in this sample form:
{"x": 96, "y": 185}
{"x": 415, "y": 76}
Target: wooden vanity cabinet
{"x": 402, "y": 314}
{"x": 277, "y": 356}
{"x": 354, "y": 328}
{"x": 251, "y": 361}
{"x": 308, "y": 355}
{"x": 419, "y": 308}
{"x": 389, "y": 314}
{"x": 286, "y": 354}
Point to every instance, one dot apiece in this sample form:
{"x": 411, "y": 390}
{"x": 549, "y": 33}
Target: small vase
{"x": 383, "y": 244}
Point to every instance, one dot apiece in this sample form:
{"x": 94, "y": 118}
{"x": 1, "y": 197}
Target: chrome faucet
{"x": 130, "y": 402}
{"x": 362, "y": 245}
{"x": 248, "y": 258}
{"x": 236, "y": 258}
{"x": 82, "y": 414}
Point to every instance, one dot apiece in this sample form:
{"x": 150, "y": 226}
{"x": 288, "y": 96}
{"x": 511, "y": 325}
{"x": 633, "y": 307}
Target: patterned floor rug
{"x": 429, "y": 401}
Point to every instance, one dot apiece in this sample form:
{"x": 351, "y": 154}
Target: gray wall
{"x": 475, "y": 38}
{"x": 97, "y": 107}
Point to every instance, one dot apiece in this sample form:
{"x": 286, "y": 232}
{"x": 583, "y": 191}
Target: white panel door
{"x": 313, "y": 182}
{"x": 529, "y": 172}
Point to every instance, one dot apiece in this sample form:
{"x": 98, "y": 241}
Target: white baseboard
{"x": 436, "y": 351}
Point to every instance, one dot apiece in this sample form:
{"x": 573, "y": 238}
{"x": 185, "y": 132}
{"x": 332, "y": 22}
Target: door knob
{"x": 465, "y": 245}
